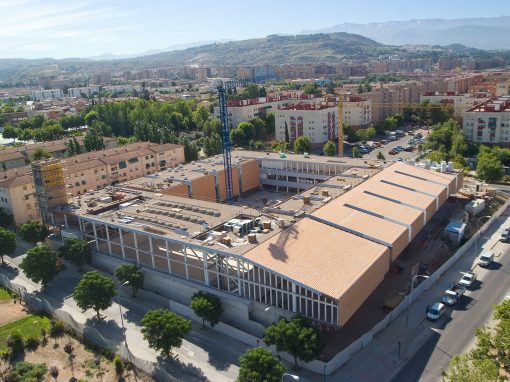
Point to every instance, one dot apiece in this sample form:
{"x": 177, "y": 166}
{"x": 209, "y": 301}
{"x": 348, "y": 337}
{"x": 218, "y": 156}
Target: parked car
{"x": 400, "y": 159}
{"x": 435, "y": 311}
{"x": 485, "y": 259}
{"x": 384, "y": 142}
{"x": 393, "y": 152}
{"x": 453, "y": 294}
{"x": 409, "y": 148}
{"x": 504, "y": 236}
{"x": 468, "y": 279}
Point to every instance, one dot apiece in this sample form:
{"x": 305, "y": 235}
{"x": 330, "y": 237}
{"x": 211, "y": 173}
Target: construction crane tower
{"x": 225, "y": 140}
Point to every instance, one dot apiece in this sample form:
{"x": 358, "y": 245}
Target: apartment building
{"x": 244, "y": 110}
{"x": 318, "y": 122}
{"x": 39, "y": 95}
{"x": 459, "y": 102}
{"x": 489, "y": 122}
{"x": 20, "y": 156}
{"x": 357, "y": 112}
{"x": 17, "y": 194}
{"x": 86, "y": 91}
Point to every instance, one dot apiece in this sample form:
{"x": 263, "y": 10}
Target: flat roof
{"x": 318, "y": 256}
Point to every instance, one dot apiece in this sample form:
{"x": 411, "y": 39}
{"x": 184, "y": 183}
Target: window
{"x": 83, "y": 182}
{"x": 27, "y": 197}
{"x": 122, "y": 164}
{"x": 77, "y": 184}
{"x": 153, "y": 164}
{"x": 133, "y": 160}
{"x": 103, "y": 176}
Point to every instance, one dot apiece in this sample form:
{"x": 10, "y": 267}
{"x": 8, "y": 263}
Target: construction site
{"x": 308, "y": 235}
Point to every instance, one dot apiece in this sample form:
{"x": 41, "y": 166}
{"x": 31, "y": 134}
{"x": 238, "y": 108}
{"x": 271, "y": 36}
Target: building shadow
{"x": 277, "y": 250}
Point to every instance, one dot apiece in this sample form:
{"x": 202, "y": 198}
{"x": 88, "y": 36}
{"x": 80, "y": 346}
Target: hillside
{"x": 482, "y": 33}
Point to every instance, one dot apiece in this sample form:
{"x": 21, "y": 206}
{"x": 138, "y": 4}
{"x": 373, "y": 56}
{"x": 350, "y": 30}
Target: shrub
{"x": 15, "y": 343}
{"x": 26, "y": 371}
{"x": 5, "y": 354}
{"x": 31, "y": 342}
{"x": 119, "y": 366}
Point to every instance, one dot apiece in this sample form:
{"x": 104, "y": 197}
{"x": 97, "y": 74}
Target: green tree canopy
{"x": 9, "y": 132}
{"x": 76, "y": 251}
{"x": 489, "y": 168}
{"x": 259, "y": 364}
{"x": 40, "y": 264}
{"x": 132, "y": 274}
{"x": 94, "y": 291}
{"x": 329, "y": 149}
{"x": 207, "y": 306}
{"x": 356, "y": 153}
{"x": 302, "y": 145}
{"x": 7, "y": 243}
{"x": 212, "y": 145}
{"x": 164, "y": 329}
{"x": 380, "y": 155}
{"x": 40, "y": 153}
{"x": 6, "y": 219}
{"x": 33, "y": 232}
{"x": 296, "y": 336}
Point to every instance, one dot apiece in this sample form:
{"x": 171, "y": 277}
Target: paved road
{"x": 457, "y": 336}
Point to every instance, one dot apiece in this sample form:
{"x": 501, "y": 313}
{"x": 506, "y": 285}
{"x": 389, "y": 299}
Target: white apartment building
{"x": 357, "y": 112}
{"x": 244, "y": 110}
{"x": 39, "y": 95}
{"x": 317, "y": 122}
{"x": 488, "y": 122}
{"x": 86, "y": 91}
{"x": 459, "y": 102}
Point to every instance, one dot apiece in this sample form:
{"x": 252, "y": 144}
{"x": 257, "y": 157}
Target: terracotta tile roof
{"x": 318, "y": 256}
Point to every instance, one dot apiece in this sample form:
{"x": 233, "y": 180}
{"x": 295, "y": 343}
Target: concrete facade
{"x": 488, "y": 122}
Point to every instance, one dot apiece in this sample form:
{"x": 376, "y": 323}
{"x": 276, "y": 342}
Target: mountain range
{"x": 483, "y": 33}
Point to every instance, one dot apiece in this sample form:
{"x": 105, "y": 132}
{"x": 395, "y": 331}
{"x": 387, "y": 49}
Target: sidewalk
{"x": 204, "y": 351}
{"x": 381, "y": 360}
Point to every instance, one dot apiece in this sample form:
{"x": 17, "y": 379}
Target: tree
{"x": 76, "y": 251}
{"x": 9, "y": 132}
{"x": 93, "y": 139}
{"x": 302, "y": 145}
{"x": 164, "y": 329}
{"x": 7, "y": 243}
{"x": 73, "y": 147}
{"x": 287, "y": 138}
{"x": 40, "y": 264}
{"x": 489, "y": 360}
{"x": 6, "y": 219}
{"x": 132, "y": 274}
{"x": 212, "y": 145}
{"x": 237, "y": 136}
{"x": 190, "y": 149}
{"x": 380, "y": 155}
{"x": 355, "y": 152}
{"x": 207, "y": 306}
{"x": 94, "y": 291}
{"x": 40, "y": 153}
{"x": 33, "y": 232}
{"x": 296, "y": 336}
{"x": 260, "y": 364}
{"x": 37, "y": 121}
{"x": 489, "y": 168}
{"x": 28, "y": 372}
{"x": 248, "y": 131}
{"x": 329, "y": 149}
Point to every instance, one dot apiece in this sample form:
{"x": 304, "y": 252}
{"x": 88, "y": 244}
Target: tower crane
{"x": 222, "y": 86}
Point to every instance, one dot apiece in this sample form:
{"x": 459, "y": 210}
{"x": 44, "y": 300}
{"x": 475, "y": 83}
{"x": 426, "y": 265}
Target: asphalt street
{"x": 455, "y": 330}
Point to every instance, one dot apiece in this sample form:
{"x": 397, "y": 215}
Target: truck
{"x": 453, "y": 293}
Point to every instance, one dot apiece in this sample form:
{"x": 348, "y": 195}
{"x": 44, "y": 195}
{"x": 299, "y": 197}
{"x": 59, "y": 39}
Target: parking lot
{"x": 391, "y": 145}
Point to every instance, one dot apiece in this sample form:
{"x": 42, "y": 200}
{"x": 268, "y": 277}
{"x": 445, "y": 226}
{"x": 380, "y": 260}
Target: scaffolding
{"x": 50, "y": 186}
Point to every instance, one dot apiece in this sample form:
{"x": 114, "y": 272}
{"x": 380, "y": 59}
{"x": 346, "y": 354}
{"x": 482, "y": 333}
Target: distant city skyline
{"x": 86, "y": 28}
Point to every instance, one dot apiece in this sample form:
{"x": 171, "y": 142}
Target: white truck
{"x": 453, "y": 294}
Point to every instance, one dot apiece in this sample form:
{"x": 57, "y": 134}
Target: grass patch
{"x": 27, "y": 326}
{"x": 5, "y": 295}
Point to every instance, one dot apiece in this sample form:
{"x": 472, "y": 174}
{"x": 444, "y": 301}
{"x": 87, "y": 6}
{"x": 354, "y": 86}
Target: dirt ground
{"x": 11, "y": 312}
{"x": 85, "y": 364}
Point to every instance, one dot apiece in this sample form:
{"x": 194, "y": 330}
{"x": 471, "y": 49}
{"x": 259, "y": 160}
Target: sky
{"x": 87, "y": 28}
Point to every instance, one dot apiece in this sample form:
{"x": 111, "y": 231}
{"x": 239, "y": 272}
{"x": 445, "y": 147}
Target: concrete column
{"x": 136, "y": 248}
{"x": 95, "y": 235}
{"x": 186, "y": 262}
{"x": 294, "y": 299}
{"x": 239, "y": 282}
{"x": 206, "y": 270}
{"x": 53, "y": 220}
{"x": 168, "y": 258}
{"x": 108, "y": 239}
{"x": 122, "y": 244}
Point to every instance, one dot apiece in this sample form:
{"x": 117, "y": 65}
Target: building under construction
{"x": 49, "y": 185}
{"x": 320, "y": 251}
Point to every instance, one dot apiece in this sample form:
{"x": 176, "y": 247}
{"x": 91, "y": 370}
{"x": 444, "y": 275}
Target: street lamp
{"x": 411, "y": 295}
{"x": 294, "y": 377}
{"x": 476, "y": 233}
{"x": 120, "y": 310}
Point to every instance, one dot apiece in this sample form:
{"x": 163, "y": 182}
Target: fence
{"x": 159, "y": 370}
